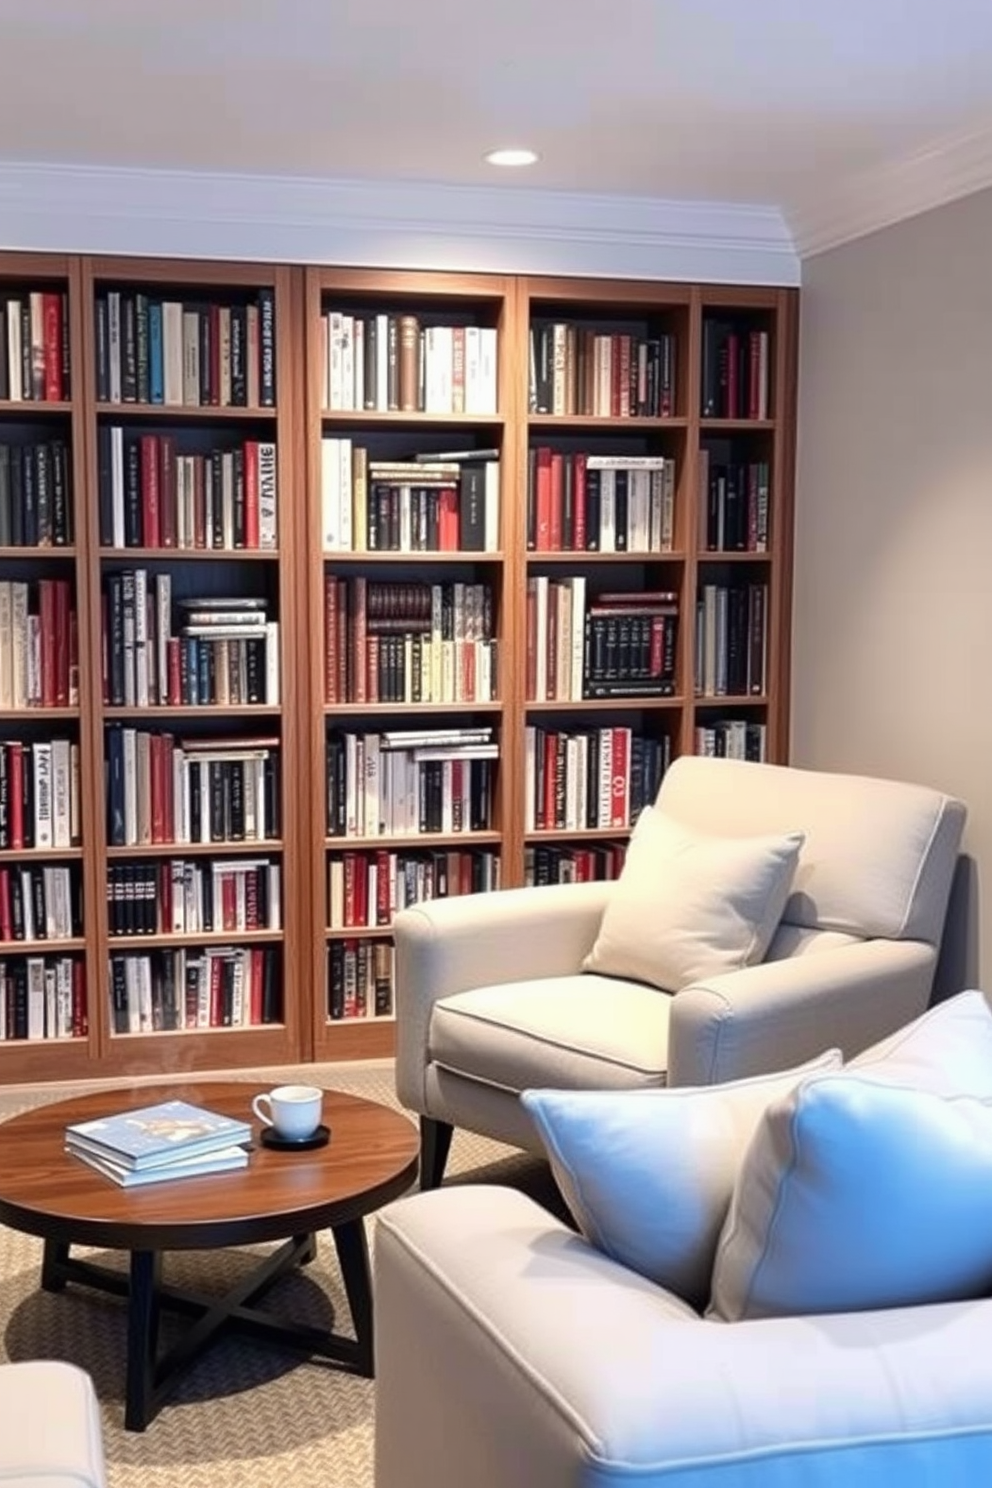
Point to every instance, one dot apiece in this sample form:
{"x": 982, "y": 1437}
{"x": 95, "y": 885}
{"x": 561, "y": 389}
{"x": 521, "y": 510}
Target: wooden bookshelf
{"x": 693, "y": 437}
{"x": 388, "y": 431}
{"x": 195, "y": 428}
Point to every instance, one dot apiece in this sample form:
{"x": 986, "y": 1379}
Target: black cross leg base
{"x": 150, "y": 1376}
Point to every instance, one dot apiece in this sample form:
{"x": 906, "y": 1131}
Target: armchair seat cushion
{"x": 568, "y": 1032}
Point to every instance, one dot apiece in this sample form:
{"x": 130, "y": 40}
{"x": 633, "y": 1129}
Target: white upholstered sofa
{"x": 492, "y": 999}
{"x": 840, "y": 1233}
{"x": 50, "y": 1435}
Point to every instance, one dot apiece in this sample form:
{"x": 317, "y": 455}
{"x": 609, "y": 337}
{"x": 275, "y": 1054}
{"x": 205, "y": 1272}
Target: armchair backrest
{"x": 879, "y": 855}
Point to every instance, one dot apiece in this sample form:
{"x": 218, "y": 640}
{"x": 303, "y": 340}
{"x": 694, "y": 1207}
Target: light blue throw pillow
{"x": 648, "y": 1174}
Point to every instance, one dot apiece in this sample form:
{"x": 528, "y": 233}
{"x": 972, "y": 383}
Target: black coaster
{"x": 271, "y": 1138}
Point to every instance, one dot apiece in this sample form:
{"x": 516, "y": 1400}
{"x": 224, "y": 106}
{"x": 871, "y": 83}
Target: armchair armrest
{"x": 538, "y": 1360}
{"x": 780, "y": 1013}
{"x": 445, "y": 946}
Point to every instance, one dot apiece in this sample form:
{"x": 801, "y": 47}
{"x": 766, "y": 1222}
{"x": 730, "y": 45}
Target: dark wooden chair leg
{"x": 435, "y": 1143}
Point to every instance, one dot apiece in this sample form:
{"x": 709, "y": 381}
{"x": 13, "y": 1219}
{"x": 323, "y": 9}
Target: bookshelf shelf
{"x": 589, "y": 423}
{"x": 202, "y": 938}
{"x": 193, "y": 413}
{"x": 38, "y": 554}
{"x": 643, "y": 371}
{"x": 190, "y": 555}
{"x": 38, "y": 715}
{"x": 29, "y": 409}
{"x": 197, "y": 849}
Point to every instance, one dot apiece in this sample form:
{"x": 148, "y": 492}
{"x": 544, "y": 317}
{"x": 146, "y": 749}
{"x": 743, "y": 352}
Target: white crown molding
{"x": 382, "y": 224}
{"x": 942, "y": 172}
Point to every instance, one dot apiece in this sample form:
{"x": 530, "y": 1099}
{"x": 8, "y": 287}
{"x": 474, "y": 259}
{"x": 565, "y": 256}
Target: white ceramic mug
{"x": 293, "y": 1110}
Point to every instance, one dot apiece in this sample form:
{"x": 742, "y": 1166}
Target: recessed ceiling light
{"x": 512, "y": 157}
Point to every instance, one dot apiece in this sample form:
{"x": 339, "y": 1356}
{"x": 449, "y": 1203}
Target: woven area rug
{"x": 243, "y": 1416}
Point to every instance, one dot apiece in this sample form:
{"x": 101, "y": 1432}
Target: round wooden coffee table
{"x": 45, "y": 1191}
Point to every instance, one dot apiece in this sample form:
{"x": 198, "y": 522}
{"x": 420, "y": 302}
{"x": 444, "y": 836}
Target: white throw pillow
{"x": 872, "y": 1186}
{"x": 648, "y": 1174}
{"x": 689, "y": 905}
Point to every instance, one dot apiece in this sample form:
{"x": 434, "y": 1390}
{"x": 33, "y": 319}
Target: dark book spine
{"x": 267, "y": 347}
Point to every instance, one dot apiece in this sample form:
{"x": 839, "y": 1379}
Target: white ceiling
{"x": 772, "y": 102}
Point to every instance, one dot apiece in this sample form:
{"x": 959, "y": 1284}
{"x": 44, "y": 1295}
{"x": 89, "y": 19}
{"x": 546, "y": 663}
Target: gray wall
{"x": 893, "y": 596}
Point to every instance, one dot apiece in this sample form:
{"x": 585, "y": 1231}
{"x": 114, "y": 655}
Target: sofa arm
{"x": 540, "y": 1361}
{"x": 781, "y": 1013}
{"x": 50, "y": 1433}
{"x": 445, "y": 946}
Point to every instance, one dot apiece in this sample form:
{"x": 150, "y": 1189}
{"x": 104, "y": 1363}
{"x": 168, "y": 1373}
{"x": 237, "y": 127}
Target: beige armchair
{"x": 491, "y": 998}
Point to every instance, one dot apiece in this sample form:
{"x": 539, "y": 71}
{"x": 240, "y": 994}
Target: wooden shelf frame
{"x": 297, "y": 423}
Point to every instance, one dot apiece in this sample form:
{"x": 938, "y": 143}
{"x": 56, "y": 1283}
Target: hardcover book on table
{"x": 152, "y": 1136}
{"x": 221, "y": 1160}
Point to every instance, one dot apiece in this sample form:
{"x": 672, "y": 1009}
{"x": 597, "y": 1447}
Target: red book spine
{"x": 251, "y": 493}
{"x": 547, "y": 812}
{"x": 383, "y": 903}
{"x": 620, "y": 777}
{"x": 543, "y": 505}
{"x": 15, "y": 793}
{"x": 155, "y": 751}
{"x": 175, "y": 672}
{"x": 51, "y": 313}
{"x": 359, "y": 648}
{"x": 579, "y": 501}
{"x": 149, "y": 491}
{"x": 168, "y": 491}
{"x": 557, "y": 501}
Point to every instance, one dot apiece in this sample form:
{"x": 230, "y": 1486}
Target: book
{"x": 222, "y": 1160}
{"x": 152, "y": 1136}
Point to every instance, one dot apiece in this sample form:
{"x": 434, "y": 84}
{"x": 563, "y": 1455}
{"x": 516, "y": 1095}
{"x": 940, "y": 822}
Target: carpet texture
{"x": 243, "y": 1416}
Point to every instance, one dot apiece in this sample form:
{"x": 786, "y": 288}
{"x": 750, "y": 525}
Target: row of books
{"x": 736, "y": 371}
{"x": 599, "y": 373}
{"x": 151, "y": 495}
{"x": 735, "y": 499}
{"x": 39, "y": 645}
{"x": 584, "y": 502}
{"x": 34, "y": 347}
{"x": 40, "y": 794}
{"x": 36, "y": 495}
{"x": 403, "y": 363}
{"x": 733, "y": 738}
{"x": 408, "y": 642}
{"x": 590, "y": 779}
{"x": 42, "y": 997}
{"x": 731, "y": 655}
{"x": 360, "y": 979}
{"x": 189, "y": 897}
{"x": 40, "y": 902}
{"x": 365, "y": 890}
{"x": 164, "y": 1142}
{"x": 224, "y": 651}
{"x": 547, "y": 864}
{"x": 618, "y": 644}
{"x": 405, "y": 782}
{"x": 443, "y": 503}
{"x": 217, "y": 987}
{"x": 161, "y": 789}
{"x": 185, "y": 352}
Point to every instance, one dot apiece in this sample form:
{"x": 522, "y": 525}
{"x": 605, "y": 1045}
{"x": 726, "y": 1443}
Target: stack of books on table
{"x": 156, "y": 1144}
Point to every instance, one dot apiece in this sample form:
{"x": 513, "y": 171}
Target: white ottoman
{"x": 50, "y": 1434}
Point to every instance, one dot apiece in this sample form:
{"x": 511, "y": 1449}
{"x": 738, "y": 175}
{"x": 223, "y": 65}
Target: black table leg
{"x": 353, "y": 1255}
{"x": 143, "y": 1311}
{"x": 53, "y": 1273}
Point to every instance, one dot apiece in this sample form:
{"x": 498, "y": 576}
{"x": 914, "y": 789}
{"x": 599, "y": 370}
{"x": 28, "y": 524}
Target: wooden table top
{"x": 44, "y": 1190}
